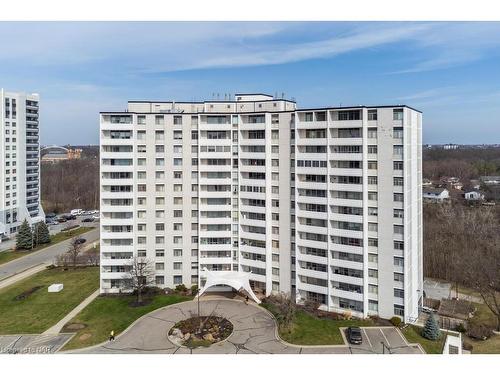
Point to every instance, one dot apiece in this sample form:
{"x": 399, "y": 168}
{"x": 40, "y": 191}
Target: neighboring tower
{"x": 20, "y": 161}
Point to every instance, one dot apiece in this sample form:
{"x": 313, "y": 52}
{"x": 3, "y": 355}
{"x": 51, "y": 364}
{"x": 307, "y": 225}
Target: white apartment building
{"x": 20, "y": 161}
{"x": 323, "y": 203}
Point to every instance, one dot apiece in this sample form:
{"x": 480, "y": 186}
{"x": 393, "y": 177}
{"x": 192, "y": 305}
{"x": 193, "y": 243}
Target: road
{"x": 53, "y": 229}
{"x": 46, "y": 255}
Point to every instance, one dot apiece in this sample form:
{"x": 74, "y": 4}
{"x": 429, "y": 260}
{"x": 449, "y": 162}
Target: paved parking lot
{"x": 32, "y": 344}
{"x": 383, "y": 340}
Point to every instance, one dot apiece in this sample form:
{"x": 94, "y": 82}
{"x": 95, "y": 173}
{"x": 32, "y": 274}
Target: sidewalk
{"x": 22, "y": 275}
{"x": 55, "y": 329}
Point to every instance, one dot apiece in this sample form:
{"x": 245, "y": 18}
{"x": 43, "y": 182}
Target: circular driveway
{"x": 254, "y": 332}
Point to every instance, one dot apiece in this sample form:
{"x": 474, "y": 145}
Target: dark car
{"x": 62, "y": 219}
{"x": 70, "y": 217}
{"x": 354, "y": 335}
{"x": 88, "y": 220}
{"x": 50, "y": 215}
{"x": 80, "y": 240}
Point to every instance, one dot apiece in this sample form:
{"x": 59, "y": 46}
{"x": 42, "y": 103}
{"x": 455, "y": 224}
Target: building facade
{"x": 20, "y": 160}
{"x": 301, "y": 199}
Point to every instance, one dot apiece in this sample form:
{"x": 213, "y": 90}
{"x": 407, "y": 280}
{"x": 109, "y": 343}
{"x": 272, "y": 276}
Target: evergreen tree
{"x": 24, "y": 236}
{"x": 41, "y": 233}
{"x": 431, "y": 329}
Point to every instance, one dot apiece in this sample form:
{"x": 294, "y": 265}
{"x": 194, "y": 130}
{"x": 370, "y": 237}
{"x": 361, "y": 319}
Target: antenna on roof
{"x": 282, "y": 95}
{"x": 276, "y": 95}
{"x": 218, "y": 96}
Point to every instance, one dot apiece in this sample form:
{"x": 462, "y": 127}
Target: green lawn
{"x": 108, "y": 313}
{"x": 41, "y": 309}
{"x": 309, "y": 330}
{"x": 7, "y": 256}
{"x": 483, "y": 315}
{"x": 413, "y": 335}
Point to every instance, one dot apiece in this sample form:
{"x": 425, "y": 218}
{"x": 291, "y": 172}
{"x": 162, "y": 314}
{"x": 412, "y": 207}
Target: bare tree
{"x": 284, "y": 309}
{"x": 140, "y": 276}
{"x": 75, "y": 249}
{"x": 93, "y": 256}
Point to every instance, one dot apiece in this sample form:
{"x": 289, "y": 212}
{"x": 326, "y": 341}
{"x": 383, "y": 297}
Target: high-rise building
{"x": 20, "y": 161}
{"x": 322, "y": 203}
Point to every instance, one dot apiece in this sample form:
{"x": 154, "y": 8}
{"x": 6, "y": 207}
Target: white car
{"x": 96, "y": 217}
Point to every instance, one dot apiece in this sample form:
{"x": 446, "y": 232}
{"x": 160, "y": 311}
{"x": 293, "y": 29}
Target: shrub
{"x": 311, "y": 306}
{"x": 181, "y": 288}
{"x": 431, "y": 329}
{"x": 395, "y": 321}
{"x": 460, "y": 328}
{"x": 467, "y": 346}
{"x": 194, "y": 289}
{"x": 479, "y": 331}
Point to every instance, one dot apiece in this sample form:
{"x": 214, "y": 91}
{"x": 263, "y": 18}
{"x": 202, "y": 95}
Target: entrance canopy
{"x": 235, "y": 279}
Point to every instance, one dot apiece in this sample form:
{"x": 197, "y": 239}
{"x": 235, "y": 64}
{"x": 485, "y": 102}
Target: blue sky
{"x": 450, "y": 71}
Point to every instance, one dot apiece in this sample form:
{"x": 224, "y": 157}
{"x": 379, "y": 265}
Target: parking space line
{"x": 368, "y": 338}
{"x": 385, "y": 338}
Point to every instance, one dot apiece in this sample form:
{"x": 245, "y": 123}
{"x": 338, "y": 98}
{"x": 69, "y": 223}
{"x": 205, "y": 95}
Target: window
{"x": 372, "y": 305}
{"x": 398, "y": 150}
{"x": 399, "y": 310}
{"x": 159, "y": 120}
{"x": 398, "y": 181}
{"x": 399, "y": 245}
{"x": 177, "y": 120}
{"x": 397, "y": 132}
{"x": 372, "y": 195}
{"x": 372, "y": 211}
{"x": 177, "y": 279}
{"x": 399, "y": 277}
{"x": 398, "y": 214}
{"x": 160, "y": 280}
{"x": 398, "y": 229}
{"x": 349, "y": 115}
{"x": 399, "y": 262}
{"x": 159, "y": 135}
{"x": 398, "y": 197}
{"x": 397, "y": 114}
{"x": 372, "y": 115}
{"x": 177, "y": 161}
{"x": 308, "y": 117}
{"x": 372, "y": 165}
{"x": 178, "y": 134}
{"x": 398, "y": 165}
{"x": 177, "y": 252}
{"x": 372, "y": 273}
{"x": 372, "y": 149}
{"x": 372, "y": 133}
{"x": 372, "y": 180}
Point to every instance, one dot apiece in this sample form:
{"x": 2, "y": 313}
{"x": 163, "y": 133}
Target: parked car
{"x": 88, "y": 220}
{"x": 50, "y": 221}
{"x": 50, "y": 215}
{"x": 354, "y": 335}
{"x": 96, "y": 217}
{"x": 70, "y": 217}
{"x": 62, "y": 219}
{"x": 80, "y": 240}
{"x": 76, "y": 211}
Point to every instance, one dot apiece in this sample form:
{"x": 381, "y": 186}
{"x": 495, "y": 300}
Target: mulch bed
{"x": 27, "y": 293}
{"x": 201, "y": 331}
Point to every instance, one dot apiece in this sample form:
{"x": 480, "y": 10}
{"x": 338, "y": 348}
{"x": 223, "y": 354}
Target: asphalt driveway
{"x": 254, "y": 332}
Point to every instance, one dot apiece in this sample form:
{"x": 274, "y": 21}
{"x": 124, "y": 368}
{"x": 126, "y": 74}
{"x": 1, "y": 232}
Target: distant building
{"x": 426, "y": 182}
{"x": 54, "y": 154}
{"x": 435, "y": 195}
{"x": 490, "y": 180}
{"x": 19, "y": 157}
{"x": 475, "y": 184}
{"x": 450, "y": 146}
{"x": 473, "y": 195}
